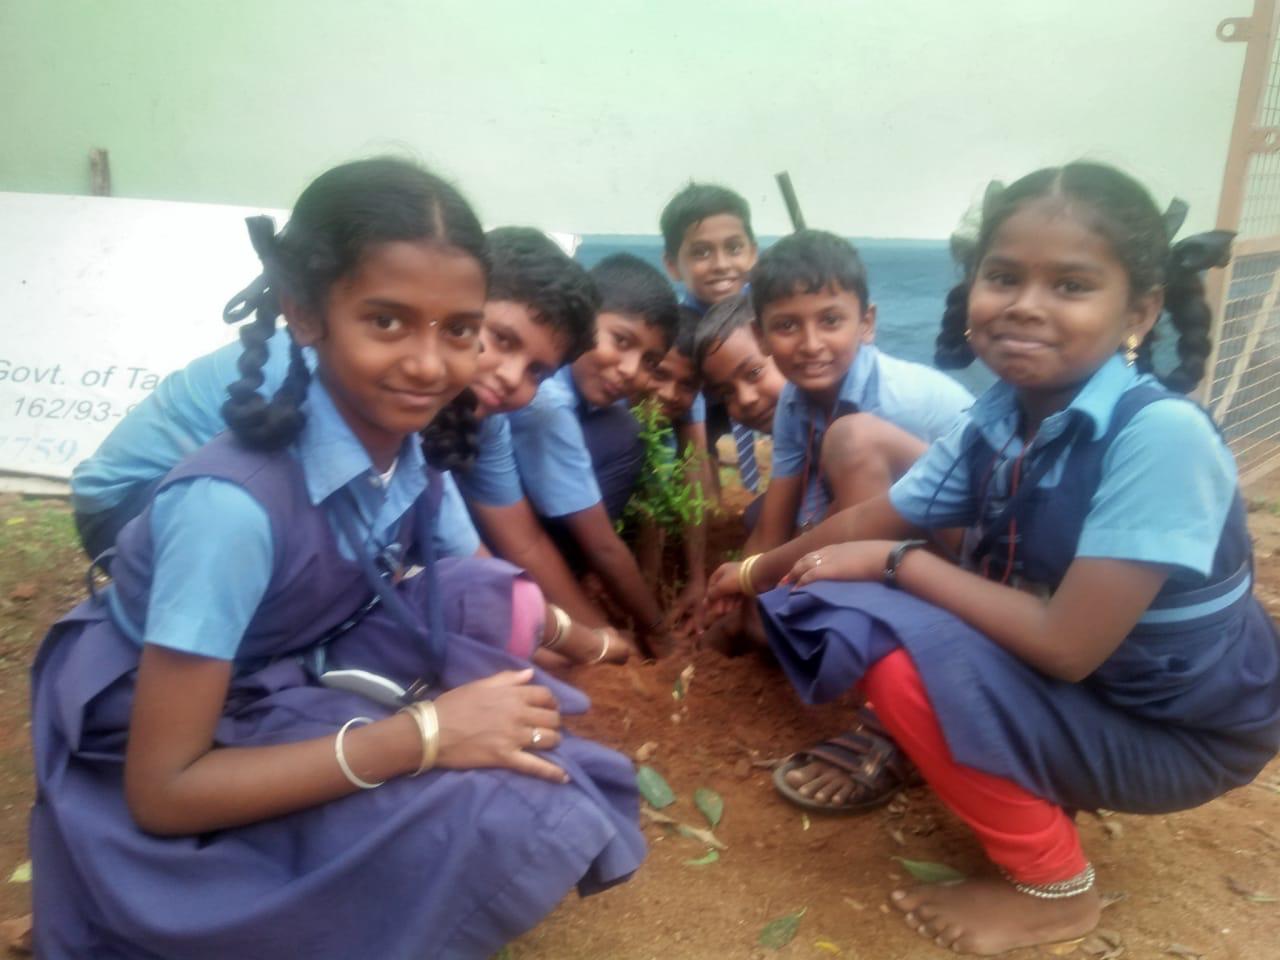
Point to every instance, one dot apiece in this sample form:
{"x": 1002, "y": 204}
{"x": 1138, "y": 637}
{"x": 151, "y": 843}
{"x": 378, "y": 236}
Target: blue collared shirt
{"x": 213, "y": 543}
{"x": 493, "y": 480}
{"x": 185, "y": 412}
{"x": 922, "y": 401}
{"x": 551, "y": 452}
{"x": 1167, "y": 483}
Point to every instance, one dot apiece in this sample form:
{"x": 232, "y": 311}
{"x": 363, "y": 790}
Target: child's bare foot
{"x": 989, "y": 916}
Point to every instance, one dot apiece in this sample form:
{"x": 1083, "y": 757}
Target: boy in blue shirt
{"x": 737, "y": 372}
{"x": 577, "y": 445}
{"x": 851, "y": 420}
{"x": 710, "y": 248}
{"x": 540, "y": 314}
{"x": 674, "y": 386}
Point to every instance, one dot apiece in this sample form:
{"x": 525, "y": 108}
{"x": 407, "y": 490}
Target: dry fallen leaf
{"x": 1248, "y": 893}
{"x": 1104, "y": 945}
{"x": 1111, "y": 899}
{"x": 646, "y": 751}
{"x": 1186, "y": 953}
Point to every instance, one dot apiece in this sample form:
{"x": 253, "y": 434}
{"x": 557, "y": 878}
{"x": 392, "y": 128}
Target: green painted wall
{"x": 586, "y": 115}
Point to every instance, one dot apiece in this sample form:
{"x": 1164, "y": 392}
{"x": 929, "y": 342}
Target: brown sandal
{"x": 876, "y": 765}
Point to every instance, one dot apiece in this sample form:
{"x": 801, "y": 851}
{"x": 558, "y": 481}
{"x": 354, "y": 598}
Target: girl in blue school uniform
{"x": 204, "y": 789}
{"x": 1099, "y": 645}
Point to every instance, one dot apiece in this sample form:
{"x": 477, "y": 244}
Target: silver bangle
{"x": 342, "y": 756}
{"x": 563, "y": 625}
{"x": 1082, "y": 882}
{"x": 604, "y": 645}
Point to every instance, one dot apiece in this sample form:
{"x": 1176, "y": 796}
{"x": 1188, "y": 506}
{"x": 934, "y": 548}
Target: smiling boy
{"x": 851, "y": 419}
{"x": 540, "y": 314}
{"x": 709, "y": 247}
{"x": 738, "y": 373}
{"x": 577, "y": 445}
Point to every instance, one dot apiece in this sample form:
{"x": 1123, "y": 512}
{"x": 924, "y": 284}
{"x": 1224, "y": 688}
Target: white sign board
{"x": 100, "y": 298}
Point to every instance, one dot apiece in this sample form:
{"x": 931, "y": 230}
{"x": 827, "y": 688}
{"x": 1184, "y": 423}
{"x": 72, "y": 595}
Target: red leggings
{"x": 1032, "y": 839}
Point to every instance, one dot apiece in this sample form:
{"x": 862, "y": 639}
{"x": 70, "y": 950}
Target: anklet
{"x": 1082, "y": 882}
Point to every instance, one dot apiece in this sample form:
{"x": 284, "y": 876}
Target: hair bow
{"x": 1201, "y": 252}
{"x": 262, "y": 234}
{"x": 964, "y": 241}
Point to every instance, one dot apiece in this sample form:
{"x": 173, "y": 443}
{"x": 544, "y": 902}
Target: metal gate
{"x": 1243, "y": 389}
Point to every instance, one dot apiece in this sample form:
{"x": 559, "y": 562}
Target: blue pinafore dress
{"x": 448, "y": 864}
{"x": 1187, "y": 707}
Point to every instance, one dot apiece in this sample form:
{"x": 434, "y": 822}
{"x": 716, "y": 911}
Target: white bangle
{"x": 342, "y": 757}
{"x": 604, "y": 645}
{"x": 563, "y": 625}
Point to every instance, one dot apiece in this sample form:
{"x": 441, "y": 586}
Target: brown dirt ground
{"x": 1176, "y": 873}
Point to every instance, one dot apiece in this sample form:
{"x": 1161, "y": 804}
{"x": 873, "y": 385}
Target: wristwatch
{"x": 900, "y": 550}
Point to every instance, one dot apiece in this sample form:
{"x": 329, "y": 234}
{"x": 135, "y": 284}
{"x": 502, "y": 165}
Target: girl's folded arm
{"x": 177, "y": 782}
{"x": 1068, "y": 636}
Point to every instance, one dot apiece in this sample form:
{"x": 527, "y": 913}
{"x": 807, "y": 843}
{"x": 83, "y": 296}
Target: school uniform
{"x": 571, "y": 455}
{"x": 922, "y": 401}
{"x": 718, "y": 421}
{"x": 182, "y": 414}
{"x": 448, "y": 864}
{"x": 1185, "y": 708}
{"x": 492, "y": 480}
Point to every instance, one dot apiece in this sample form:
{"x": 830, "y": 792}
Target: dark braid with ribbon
{"x": 1120, "y": 210}
{"x": 257, "y": 422}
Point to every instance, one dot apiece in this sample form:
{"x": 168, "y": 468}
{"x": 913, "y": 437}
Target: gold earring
{"x": 968, "y": 334}
{"x": 1131, "y": 349}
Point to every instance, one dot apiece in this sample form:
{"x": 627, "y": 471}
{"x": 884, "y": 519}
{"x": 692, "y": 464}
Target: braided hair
{"x": 1120, "y": 210}
{"x": 337, "y": 219}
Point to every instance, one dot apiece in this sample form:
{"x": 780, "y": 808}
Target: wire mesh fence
{"x": 1243, "y": 389}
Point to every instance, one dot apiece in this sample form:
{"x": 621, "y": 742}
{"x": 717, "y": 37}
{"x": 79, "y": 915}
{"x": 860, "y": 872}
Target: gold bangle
{"x": 563, "y": 626}
{"x": 745, "y": 585}
{"x": 424, "y": 715}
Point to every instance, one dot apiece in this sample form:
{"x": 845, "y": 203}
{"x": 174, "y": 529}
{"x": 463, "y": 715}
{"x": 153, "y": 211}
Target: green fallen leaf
{"x": 778, "y": 933}
{"x": 710, "y": 803}
{"x": 711, "y": 856}
{"x": 677, "y": 692}
{"x": 15, "y": 521}
{"x": 927, "y": 872}
{"x": 21, "y": 873}
{"x": 653, "y": 788}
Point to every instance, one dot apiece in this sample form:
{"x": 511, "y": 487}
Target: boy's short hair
{"x": 529, "y": 268}
{"x": 629, "y": 285}
{"x": 719, "y": 323}
{"x": 694, "y": 204}
{"x": 807, "y": 261}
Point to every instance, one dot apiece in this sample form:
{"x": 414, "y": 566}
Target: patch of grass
{"x": 36, "y": 536}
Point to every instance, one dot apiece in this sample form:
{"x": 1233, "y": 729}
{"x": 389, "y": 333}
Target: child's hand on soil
{"x": 859, "y": 560}
{"x": 724, "y": 590}
{"x": 691, "y": 608}
{"x": 500, "y": 721}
